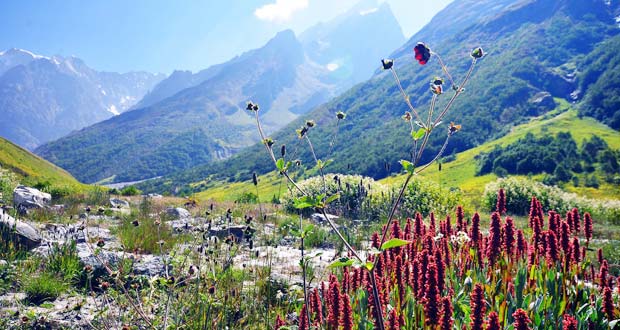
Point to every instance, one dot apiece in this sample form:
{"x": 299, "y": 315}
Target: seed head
{"x": 477, "y": 53}
{"x": 340, "y": 115}
{"x": 422, "y": 53}
{"x": 387, "y": 63}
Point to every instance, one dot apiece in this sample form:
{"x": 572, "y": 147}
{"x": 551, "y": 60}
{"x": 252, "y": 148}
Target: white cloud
{"x": 280, "y": 11}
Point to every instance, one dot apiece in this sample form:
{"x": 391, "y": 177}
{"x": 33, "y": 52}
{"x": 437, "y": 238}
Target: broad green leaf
{"x": 369, "y": 265}
{"x": 304, "y": 202}
{"x": 342, "y": 262}
{"x": 407, "y": 166}
{"x": 419, "y": 134}
{"x": 394, "y": 242}
{"x": 280, "y": 164}
{"x": 332, "y": 198}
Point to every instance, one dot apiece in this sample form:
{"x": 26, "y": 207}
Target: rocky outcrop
{"x": 22, "y": 233}
{"x": 30, "y": 197}
{"x": 178, "y": 213}
{"x": 119, "y": 203}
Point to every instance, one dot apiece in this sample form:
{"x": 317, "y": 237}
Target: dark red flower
{"x": 587, "y": 226}
{"x": 317, "y": 307}
{"x": 478, "y": 307}
{"x": 304, "y": 323}
{"x": 575, "y": 249}
{"x": 521, "y": 243}
{"x": 521, "y": 320}
{"x": 446, "y": 315}
{"x": 422, "y": 53}
{"x": 495, "y": 237}
{"x": 565, "y": 237}
{"x": 460, "y": 216}
{"x": 347, "y": 314}
{"x": 500, "y": 207}
{"x": 475, "y": 228}
{"x": 279, "y": 322}
{"x": 393, "y": 322}
{"x": 431, "y": 295}
{"x": 400, "y": 282}
{"x": 441, "y": 270}
{"x": 335, "y": 304}
{"x": 552, "y": 247}
{"x": 493, "y": 322}
{"x": 509, "y": 236}
{"x": 569, "y": 322}
{"x": 576, "y": 219}
{"x": 608, "y": 303}
{"x": 603, "y": 272}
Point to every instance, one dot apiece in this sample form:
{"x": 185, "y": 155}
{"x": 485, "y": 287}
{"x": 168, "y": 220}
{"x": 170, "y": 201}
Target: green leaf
{"x": 342, "y": 262}
{"x": 280, "y": 164}
{"x": 394, "y": 242}
{"x": 307, "y": 230}
{"x": 304, "y": 202}
{"x": 419, "y": 134}
{"x": 407, "y": 166}
{"x": 369, "y": 265}
{"x": 332, "y": 198}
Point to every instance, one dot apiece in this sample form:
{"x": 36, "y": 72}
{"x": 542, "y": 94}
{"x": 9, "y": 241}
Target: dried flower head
{"x": 387, "y": 63}
{"x": 453, "y": 129}
{"x": 268, "y": 142}
{"x": 302, "y": 132}
{"x": 422, "y": 53}
{"x": 251, "y": 106}
{"x": 407, "y": 116}
{"x": 340, "y": 115}
{"x": 310, "y": 123}
{"x": 477, "y": 53}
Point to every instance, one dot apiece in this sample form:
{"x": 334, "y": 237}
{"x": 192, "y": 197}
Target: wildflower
{"x": 509, "y": 236}
{"x": 576, "y": 256}
{"x": 393, "y": 323}
{"x": 453, "y": 129}
{"x": 446, "y": 317}
{"x": 460, "y": 219}
{"x": 441, "y": 270}
{"x": 302, "y": 132}
{"x": 569, "y": 322}
{"x": 268, "y": 142}
{"x": 603, "y": 272}
{"x": 475, "y": 228}
{"x": 340, "y": 115}
{"x": 251, "y": 106}
{"x": 407, "y": 116}
{"x": 521, "y": 320}
{"x": 495, "y": 231}
{"x": 422, "y": 53}
{"x": 552, "y": 247}
{"x": 335, "y": 304}
{"x": 254, "y": 179}
{"x": 100, "y": 242}
{"x": 310, "y": 123}
{"x": 587, "y": 226}
{"x": 521, "y": 243}
{"x": 317, "y": 308}
{"x": 478, "y": 307}
{"x": 493, "y": 322}
{"x": 387, "y": 63}
{"x": 400, "y": 283}
{"x": 347, "y": 313}
{"x": 279, "y": 322}
{"x": 211, "y": 289}
{"x": 477, "y": 53}
{"x": 576, "y": 219}
{"x": 88, "y": 268}
{"x": 135, "y": 223}
{"x": 437, "y": 86}
{"x": 104, "y": 286}
{"x": 303, "y": 319}
{"x": 501, "y": 202}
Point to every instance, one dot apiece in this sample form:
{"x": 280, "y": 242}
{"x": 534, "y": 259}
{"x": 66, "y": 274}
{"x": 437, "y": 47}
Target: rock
{"x": 178, "y": 213}
{"x": 25, "y": 235}
{"x": 319, "y": 218}
{"x": 150, "y": 265}
{"x": 30, "y": 197}
{"x": 543, "y": 101}
{"x": 223, "y": 232}
{"x": 86, "y": 256}
{"x": 119, "y": 203}
{"x": 154, "y": 196}
{"x": 3, "y": 263}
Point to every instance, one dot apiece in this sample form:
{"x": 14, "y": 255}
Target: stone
{"x": 543, "y": 101}
{"x": 150, "y": 265}
{"x": 25, "y": 235}
{"x": 119, "y": 203}
{"x": 30, "y": 197}
{"x": 319, "y": 218}
{"x": 223, "y": 232}
{"x": 178, "y": 213}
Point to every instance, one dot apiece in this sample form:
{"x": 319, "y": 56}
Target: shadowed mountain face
{"x": 44, "y": 98}
{"x": 191, "y": 119}
{"x": 538, "y": 51}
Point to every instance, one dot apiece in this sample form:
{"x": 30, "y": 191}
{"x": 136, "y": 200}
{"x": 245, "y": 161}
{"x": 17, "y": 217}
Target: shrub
{"x": 247, "y": 197}
{"x": 63, "y": 260}
{"x": 130, "y": 191}
{"x": 519, "y": 193}
{"x": 426, "y": 197}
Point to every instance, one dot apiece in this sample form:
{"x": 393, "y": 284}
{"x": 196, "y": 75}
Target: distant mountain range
{"x": 44, "y": 98}
{"x": 190, "y": 119}
{"x": 539, "y": 53}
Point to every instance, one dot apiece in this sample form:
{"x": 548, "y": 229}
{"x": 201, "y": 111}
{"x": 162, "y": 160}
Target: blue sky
{"x": 163, "y": 35}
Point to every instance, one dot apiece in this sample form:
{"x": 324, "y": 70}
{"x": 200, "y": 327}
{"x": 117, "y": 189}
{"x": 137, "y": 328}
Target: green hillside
{"x": 461, "y": 172}
{"x": 30, "y": 169}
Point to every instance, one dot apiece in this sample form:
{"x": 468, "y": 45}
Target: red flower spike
{"x": 347, "y": 314}
{"x": 432, "y": 224}
{"x": 400, "y": 282}
{"x": 576, "y": 219}
{"x": 521, "y": 243}
{"x": 552, "y": 248}
{"x": 431, "y": 295}
{"x": 279, "y": 322}
{"x": 509, "y": 236}
{"x": 460, "y": 226}
{"x": 495, "y": 237}
{"x": 448, "y": 227}
{"x": 317, "y": 307}
{"x": 422, "y": 53}
{"x": 475, "y": 228}
{"x": 587, "y": 226}
{"x": 521, "y": 320}
{"x": 335, "y": 305}
{"x": 441, "y": 271}
{"x": 418, "y": 226}
{"x": 446, "y": 313}
{"x": 553, "y": 226}
{"x": 569, "y": 322}
{"x": 608, "y": 303}
{"x": 569, "y": 219}
{"x": 603, "y": 272}
{"x": 493, "y": 322}
{"x": 500, "y": 207}
{"x": 599, "y": 255}
{"x": 393, "y": 322}
{"x": 478, "y": 307}
{"x": 565, "y": 237}
{"x": 304, "y": 324}
{"x": 575, "y": 250}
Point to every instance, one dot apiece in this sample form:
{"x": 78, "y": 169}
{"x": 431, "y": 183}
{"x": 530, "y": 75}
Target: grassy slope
{"x": 31, "y": 169}
{"x": 461, "y": 172}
